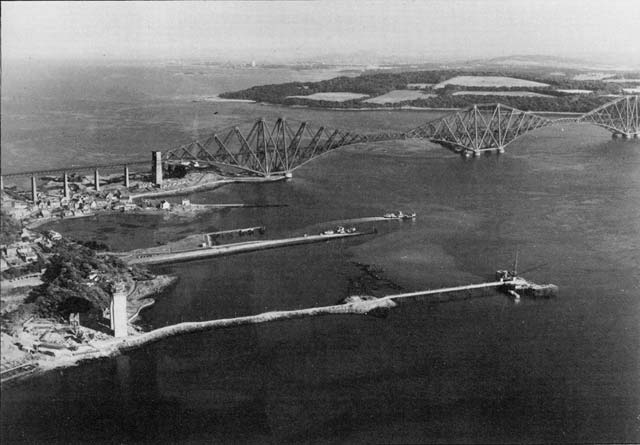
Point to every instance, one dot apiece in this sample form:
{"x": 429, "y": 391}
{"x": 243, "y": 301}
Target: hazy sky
{"x": 264, "y": 30}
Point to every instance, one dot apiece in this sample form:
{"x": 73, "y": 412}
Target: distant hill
{"x": 613, "y": 62}
{"x": 536, "y": 60}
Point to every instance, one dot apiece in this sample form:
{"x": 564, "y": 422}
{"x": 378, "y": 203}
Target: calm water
{"x": 561, "y": 370}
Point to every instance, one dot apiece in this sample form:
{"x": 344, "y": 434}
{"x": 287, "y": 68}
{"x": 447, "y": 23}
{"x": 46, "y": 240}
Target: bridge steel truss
{"x": 621, "y": 117}
{"x": 279, "y": 148}
{"x": 266, "y": 149}
{"x": 479, "y": 128}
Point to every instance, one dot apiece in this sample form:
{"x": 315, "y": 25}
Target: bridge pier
{"x": 126, "y": 176}
{"x": 500, "y": 150}
{"x": 625, "y": 135}
{"x": 34, "y": 189}
{"x": 65, "y": 185}
{"x": 156, "y": 157}
{"x": 96, "y": 178}
{"x": 1, "y": 184}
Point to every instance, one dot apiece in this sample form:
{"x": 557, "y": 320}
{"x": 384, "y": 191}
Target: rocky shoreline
{"x": 110, "y": 346}
{"x": 49, "y": 345}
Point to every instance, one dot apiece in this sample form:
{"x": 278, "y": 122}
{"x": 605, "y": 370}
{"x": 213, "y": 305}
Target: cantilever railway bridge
{"x": 273, "y": 149}
{"x": 280, "y": 148}
{"x": 268, "y": 150}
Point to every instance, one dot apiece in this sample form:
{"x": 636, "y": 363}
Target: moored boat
{"x": 399, "y": 215}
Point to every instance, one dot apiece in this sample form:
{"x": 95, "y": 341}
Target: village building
{"x": 27, "y": 235}
{"x": 44, "y": 242}
{"x": 101, "y": 204}
{"x": 129, "y": 206}
{"x": 27, "y": 254}
{"x": 53, "y": 235}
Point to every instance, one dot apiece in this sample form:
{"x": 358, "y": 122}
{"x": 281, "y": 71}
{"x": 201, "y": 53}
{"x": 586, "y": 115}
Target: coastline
{"x": 139, "y": 298}
{"x": 403, "y": 108}
{"x": 113, "y": 347}
{"x": 205, "y": 186}
{"x": 152, "y": 211}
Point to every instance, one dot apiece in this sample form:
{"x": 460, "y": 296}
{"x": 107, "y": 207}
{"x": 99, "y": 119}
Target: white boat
{"x": 399, "y": 215}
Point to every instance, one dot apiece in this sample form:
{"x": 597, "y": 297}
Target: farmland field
{"x": 576, "y": 91}
{"x": 592, "y": 76}
{"x": 500, "y": 93}
{"x": 623, "y": 80}
{"x": 399, "y": 96}
{"x": 490, "y": 81}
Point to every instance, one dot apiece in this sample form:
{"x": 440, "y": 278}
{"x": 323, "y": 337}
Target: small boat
{"x": 399, "y": 215}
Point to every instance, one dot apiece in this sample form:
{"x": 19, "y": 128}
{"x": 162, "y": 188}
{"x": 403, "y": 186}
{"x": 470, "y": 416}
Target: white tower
{"x": 119, "y": 312}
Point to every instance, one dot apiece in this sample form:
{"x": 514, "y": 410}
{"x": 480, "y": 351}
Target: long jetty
{"x": 464, "y": 291}
{"x": 229, "y": 249}
{"x": 357, "y": 305}
{"x": 377, "y": 307}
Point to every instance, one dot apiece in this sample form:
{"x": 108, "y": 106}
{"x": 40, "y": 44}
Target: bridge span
{"x": 279, "y": 148}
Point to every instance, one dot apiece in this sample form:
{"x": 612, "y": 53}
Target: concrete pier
{"x": 145, "y": 256}
{"x": 34, "y": 189}
{"x": 96, "y": 179}
{"x": 126, "y": 176}
{"x": 156, "y": 157}
{"x": 1, "y": 184}
{"x": 65, "y": 181}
